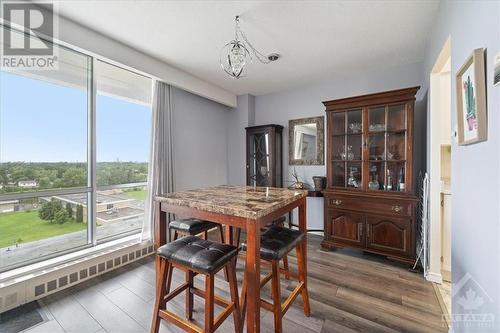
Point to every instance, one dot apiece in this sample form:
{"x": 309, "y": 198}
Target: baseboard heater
{"x": 30, "y": 287}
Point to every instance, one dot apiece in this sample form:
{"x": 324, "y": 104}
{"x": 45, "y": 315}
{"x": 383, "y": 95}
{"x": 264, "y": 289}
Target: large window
{"x": 73, "y": 160}
{"x": 123, "y": 115}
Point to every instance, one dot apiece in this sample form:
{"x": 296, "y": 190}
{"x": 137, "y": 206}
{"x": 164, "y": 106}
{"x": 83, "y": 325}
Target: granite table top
{"x": 242, "y": 201}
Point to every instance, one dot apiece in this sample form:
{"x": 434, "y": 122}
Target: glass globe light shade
{"x": 234, "y": 56}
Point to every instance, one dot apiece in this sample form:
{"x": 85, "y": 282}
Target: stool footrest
{"x": 179, "y": 321}
{"x": 228, "y": 305}
{"x": 223, "y": 315}
{"x": 217, "y": 299}
{"x": 174, "y": 293}
{"x": 286, "y": 305}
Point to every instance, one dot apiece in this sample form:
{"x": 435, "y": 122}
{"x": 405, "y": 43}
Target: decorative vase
{"x": 319, "y": 183}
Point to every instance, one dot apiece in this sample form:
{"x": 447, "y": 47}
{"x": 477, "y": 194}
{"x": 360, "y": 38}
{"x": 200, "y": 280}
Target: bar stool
{"x": 276, "y": 242}
{"x": 192, "y": 227}
{"x": 196, "y": 256}
{"x": 279, "y": 222}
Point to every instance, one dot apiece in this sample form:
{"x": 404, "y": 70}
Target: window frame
{"x": 92, "y": 188}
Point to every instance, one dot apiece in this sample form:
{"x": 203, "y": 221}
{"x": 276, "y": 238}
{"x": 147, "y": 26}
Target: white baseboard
{"x": 35, "y": 285}
{"x": 434, "y": 277}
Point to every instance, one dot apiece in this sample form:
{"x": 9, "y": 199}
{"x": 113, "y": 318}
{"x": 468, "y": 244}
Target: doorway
{"x": 440, "y": 147}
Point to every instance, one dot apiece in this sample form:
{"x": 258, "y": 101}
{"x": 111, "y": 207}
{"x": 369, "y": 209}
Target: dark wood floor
{"x": 349, "y": 292}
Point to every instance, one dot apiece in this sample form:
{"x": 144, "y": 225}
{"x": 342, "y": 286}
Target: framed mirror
{"x": 306, "y": 139}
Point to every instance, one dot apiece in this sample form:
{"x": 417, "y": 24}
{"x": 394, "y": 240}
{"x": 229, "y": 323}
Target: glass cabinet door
{"x": 396, "y": 147}
{"x": 387, "y": 148}
{"x": 259, "y": 159}
{"x": 338, "y": 149}
{"x": 347, "y": 149}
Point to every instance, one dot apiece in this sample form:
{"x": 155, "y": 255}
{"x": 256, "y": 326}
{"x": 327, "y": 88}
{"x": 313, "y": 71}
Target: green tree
{"x": 79, "y": 213}
{"x": 61, "y": 216}
{"x": 69, "y": 210}
{"x": 49, "y": 210}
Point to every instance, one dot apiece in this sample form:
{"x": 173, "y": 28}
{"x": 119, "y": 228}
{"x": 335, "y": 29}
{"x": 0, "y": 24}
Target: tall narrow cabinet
{"x": 264, "y": 155}
{"x": 369, "y": 200}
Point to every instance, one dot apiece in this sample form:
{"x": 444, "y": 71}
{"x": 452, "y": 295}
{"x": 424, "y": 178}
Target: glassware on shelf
{"x": 352, "y": 181}
{"x": 388, "y": 186}
{"x": 342, "y": 153}
{"x": 377, "y": 127}
{"x": 401, "y": 180}
{"x": 373, "y": 184}
{"x": 355, "y": 127}
{"x": 350, "y": 153}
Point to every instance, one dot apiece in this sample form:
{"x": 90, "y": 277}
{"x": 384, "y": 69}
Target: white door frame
{"x": 434, "y": 147}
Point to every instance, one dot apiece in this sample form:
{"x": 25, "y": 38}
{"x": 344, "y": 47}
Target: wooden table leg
{"x": 303, "y": 245}
{"x": 160, "y": 229}
{"x": 252, "y": 271}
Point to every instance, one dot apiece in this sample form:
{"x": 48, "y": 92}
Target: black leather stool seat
{"x": 191, "y": 226}
{"x": 200, "y": 255}
{"x": 276, "y": 242}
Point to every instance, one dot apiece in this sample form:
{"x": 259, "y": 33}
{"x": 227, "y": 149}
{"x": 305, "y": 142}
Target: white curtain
{"x": 161, "y": 167}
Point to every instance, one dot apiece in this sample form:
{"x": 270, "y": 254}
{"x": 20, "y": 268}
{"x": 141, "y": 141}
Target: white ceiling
{"x": 315, "y": 38}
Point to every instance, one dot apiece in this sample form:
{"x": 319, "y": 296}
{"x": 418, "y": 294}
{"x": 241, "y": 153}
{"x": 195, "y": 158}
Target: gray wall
{"x": 475, "y": 169}
{"x": 200, "y": 141}
{"x": 241, "y": 117}
{"x": 278, "y": 108}
{"x": 305, "y": 101}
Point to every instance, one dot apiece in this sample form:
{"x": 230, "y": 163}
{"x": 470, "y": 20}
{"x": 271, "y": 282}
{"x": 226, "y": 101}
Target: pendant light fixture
{"x": 236, "y": 54}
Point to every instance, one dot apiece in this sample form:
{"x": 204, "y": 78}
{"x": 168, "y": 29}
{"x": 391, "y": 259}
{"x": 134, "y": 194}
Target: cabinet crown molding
{"x": 386, "y": 97}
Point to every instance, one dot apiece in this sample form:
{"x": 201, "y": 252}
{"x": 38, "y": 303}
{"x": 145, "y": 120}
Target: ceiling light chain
{"x": 235, "y": 54}
{"x": 261, "y": 57}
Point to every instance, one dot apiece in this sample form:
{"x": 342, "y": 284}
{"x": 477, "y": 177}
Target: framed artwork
{"x": 471, "y": 100}
{"x": 496, "y": 74}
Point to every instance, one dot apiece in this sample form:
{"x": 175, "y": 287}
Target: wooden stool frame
{"x": 276, "y": 306}
{"x": 164, "y": 295}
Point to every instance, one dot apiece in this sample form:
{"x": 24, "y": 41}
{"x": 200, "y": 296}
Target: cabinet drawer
{"x": 382, "y": 206}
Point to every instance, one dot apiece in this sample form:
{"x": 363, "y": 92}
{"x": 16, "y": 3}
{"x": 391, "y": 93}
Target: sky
{"x": 45, "y": 122}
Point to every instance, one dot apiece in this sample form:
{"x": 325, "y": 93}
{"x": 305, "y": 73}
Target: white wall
{"x": 200, "y": 141}
{"x": 475, "y": 169}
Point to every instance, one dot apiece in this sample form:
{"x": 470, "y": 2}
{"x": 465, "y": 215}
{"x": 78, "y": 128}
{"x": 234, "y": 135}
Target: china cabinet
{"x": 369, "y": 199}
{"x": 264, "y": 155}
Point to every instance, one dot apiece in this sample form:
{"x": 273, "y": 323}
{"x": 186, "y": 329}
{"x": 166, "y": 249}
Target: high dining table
{"x": 245, "y": 207}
